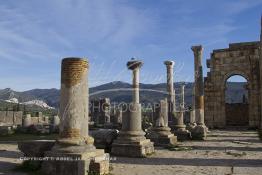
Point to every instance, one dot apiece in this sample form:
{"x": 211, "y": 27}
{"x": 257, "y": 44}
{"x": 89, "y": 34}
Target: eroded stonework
{"x": 239, "y": 59}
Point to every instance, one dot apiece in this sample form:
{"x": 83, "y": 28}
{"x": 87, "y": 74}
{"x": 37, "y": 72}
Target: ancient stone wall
{"x": 11, "y": 117}
{"x": 236, "y": 114}
{"x": 239, "y": 59}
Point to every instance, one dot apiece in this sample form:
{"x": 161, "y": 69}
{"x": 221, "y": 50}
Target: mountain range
{"x": 120, "y": 92}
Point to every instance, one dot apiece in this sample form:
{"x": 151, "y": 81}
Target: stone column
{"x": 181, "y": 132}
{"x": 171, "y": 93}
{"x": 55, "y": 124}
{"x": 200, "y": 131}
{"x": 192, "y": 122}
{"x": 160, "y": 134}
{"x": 260, "y": 77}
{"x": 131, "y": 141}
{"x": 182, "y": 107}
{"x": 27, "y": 121}
{"x": 74, "y": 141}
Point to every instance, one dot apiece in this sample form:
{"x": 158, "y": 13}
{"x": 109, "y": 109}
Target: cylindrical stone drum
{"x": 27, "y": 121}
{"x": 74, "y": 99}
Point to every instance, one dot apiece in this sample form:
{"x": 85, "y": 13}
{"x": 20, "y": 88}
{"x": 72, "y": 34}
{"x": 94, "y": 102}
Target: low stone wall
{"x": 16, "y": 117}
{"x": 11, "y": 117}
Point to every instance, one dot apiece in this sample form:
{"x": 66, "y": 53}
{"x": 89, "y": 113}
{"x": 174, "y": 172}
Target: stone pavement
{"x": 224, "y": 152}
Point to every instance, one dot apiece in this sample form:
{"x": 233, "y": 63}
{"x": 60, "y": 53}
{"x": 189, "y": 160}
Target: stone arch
{"x": 237, "y": 113}
{"x": 239, "y": 59}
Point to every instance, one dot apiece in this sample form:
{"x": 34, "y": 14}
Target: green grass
{"x": 22, "y": 136}
{"x": 178, "y": 148}
{"x": 236, "y": 154}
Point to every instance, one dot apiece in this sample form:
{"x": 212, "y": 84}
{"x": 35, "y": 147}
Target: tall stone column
{"x": 181, "y": 132}
{"x": 160, "y": 134}
{"x": 131, "y": 141}
{"x": 171, "y": 93}
{"x": 260, "y": 62}
{"x": 200, "y": 131}
{"x": 192, "y": 122}
{"x": 74, "y": 141}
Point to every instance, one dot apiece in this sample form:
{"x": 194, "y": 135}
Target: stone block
{"x": 82, "y": 163}
{"x": 161, "y": 136}
{"x": 127, "y": 148}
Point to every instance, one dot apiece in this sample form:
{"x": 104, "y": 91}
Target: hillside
{"x": 118, "y": 92}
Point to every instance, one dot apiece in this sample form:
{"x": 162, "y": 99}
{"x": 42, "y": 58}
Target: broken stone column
{"x": 171, "y": 94}
{"x": 131, "y": 141}
{"x": 180, "y": 128}
{"x": 27, "y": 121}
{"x": 160, "y": 134}
{"x": 116, "y": 117}
{"x": 200, "y": 130}
{"x": 55, "y": 124}
{"x": 74, "y": 152}
{"x": 56, "y": 120}
{"x": 100, "y": 111}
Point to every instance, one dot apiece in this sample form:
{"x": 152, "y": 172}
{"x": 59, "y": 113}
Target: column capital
{"x": 197, "y": 48}
{"x": 134, "y": 64}
{"x": 169, "y": 63}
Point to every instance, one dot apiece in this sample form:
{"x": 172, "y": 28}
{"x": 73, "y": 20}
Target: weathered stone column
{"x": 55, "y": 124}
{"x": 160, "y": 133}
{"x": 171, "y": 93}
{"x": 260, "y": 61}
{"x": 131, "y": 141}
{"x": 74, "y": 142}
{"x": 181, "y": 132}
{"x": 27, "y": 121}
{"x": 192, "y": 122}
{"x": 180, "y": 121}
{"x": 200, "y": 131}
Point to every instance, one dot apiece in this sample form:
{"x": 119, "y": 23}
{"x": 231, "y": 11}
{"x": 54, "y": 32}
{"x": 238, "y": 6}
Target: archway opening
{"x": 236, "y": 101}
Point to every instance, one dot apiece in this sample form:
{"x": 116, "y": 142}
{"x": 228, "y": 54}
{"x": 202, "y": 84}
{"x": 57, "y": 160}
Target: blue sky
{"x": 35, "y": 35}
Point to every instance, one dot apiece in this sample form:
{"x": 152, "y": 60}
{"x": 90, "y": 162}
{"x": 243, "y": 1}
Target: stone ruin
{"x": 131, "y": 140}
{"x": 239, "y": 59}
{"x": 74, "y": 151}
{"x": 11, "y": 121}
{"x": 74, "y": 141}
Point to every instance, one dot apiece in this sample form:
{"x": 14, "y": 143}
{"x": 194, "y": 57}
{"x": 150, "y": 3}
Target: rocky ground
{"x": 223, "y": 153}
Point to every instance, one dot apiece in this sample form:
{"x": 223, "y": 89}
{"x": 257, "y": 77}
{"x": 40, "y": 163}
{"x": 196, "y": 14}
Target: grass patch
{"x": 22, "y": 137}
{"x": 236, "y": 154}
{"x": 179, "y": 148}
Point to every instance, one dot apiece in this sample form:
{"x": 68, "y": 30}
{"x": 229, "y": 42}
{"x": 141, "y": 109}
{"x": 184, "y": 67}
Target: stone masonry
{"x": 239, "y": 59}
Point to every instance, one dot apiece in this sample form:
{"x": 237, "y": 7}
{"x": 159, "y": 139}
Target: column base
{"x": 132, "y": 144}
{"x": 199, "y": 132}
{"x": 161, "y": 136}
{"x": 76, "y": 163}
{"x": 182, "y": 134}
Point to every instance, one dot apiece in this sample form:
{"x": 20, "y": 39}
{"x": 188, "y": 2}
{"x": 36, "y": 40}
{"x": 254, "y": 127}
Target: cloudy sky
{"x": 35, "y": 35}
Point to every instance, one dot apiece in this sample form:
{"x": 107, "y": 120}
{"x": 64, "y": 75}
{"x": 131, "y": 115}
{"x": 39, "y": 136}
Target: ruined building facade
{"x": 244, "y": 59}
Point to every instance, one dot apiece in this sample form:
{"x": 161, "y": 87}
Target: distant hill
{"x": 118, "y": 92}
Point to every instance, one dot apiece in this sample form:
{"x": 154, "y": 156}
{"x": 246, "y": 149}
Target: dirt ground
{"x": 223, "y": 153}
